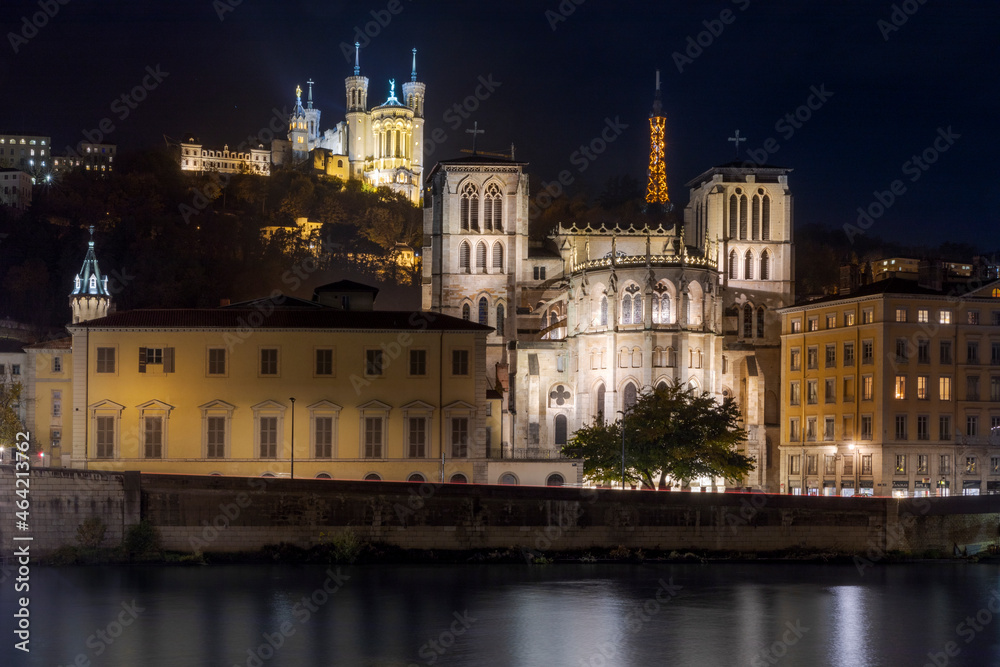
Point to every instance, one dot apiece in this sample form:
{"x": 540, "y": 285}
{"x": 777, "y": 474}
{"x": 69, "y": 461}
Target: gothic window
{"x": 637, "y": 309}
{"x": 734, "y": 268}
{"x": 470, "y": 207}
{"x": 627, "y": 309}
{"x": 630, "y": 397}
{"x": 656, "y": 309}
{"x": 760, "y": 322}
{"x": 748, "y": 266}
{"x": 765, "y": 222}
{"x": 466, "y": 312}
{"x": 493, "y": 208}
{"x": 732, "y": 216}
{"x": 665, "y": 309}
{"x": 463, "y": 257}
{"x": 604, "y": 311}
{"x": 747, "y": 320}
{"x": 500, "y": 320}
{"x": 755, "y": 219}
{"x": 661, "y": 385}
{"x": 561, "y": 429}
{"x": 765, "y": 265}
{"x": 481, "y": 257}
{"x": 599, "y": 407}
{"x": 553, "y": 318}
{"x": 743, "y": 216}
{"x": 483, "y": 310}
{"x": 498, "y": 256}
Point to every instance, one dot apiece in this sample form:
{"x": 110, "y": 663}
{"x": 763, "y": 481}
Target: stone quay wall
{"x": 233, "y": 514}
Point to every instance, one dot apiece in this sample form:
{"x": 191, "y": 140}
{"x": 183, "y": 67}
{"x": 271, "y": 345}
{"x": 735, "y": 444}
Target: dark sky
{"x": 889, "y": 93}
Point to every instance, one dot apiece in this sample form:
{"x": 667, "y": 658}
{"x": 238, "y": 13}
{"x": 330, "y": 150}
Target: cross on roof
{"x": 474, "y": 132}
{"x": 736, "y": 140}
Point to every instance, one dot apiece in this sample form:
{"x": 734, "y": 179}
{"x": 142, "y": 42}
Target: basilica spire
{"x": 656, "y": 189}
{"x": 357, "y": 58}
{"x": 90, "y": 297}
{"x": 413, "y": 74}
{"x": 309, "y": 103}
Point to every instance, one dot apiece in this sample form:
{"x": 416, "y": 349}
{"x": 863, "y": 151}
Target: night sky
{"x": 889, "y": 89}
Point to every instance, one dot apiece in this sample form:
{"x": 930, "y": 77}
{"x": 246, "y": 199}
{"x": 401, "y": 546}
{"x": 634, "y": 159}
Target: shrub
{"x": 141, "y": 539}
{"x": 90, "y": 533}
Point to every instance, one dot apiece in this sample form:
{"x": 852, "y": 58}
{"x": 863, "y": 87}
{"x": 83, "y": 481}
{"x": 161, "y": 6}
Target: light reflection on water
{"x": 574, "y": 615}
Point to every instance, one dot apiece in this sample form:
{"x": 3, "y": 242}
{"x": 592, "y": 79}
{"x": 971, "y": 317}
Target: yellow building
{"x": 49, "y": 387}
{"x": 892, "y": 389}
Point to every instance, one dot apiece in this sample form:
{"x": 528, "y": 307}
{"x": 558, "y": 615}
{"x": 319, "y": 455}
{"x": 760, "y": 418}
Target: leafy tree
{"x": 10, "y": 422}
{"x": 671, "y": 432}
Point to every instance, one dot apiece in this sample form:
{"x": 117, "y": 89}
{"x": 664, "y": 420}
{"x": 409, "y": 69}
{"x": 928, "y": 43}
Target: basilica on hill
{"x": 588, "y": 320}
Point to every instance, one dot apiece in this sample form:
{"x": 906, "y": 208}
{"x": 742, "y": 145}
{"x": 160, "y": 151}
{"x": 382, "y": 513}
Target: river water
{"x": 497, "y": 615}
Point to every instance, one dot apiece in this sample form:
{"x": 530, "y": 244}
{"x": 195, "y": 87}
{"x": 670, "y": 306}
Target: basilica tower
{"x": 359, "y": 143}
{"x": 90, "y": 298}
{"x": 413, "y": 97}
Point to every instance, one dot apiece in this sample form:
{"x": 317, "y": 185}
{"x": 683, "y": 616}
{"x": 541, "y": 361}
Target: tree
{"x": 671, "y": 432}
{"x": 10, "y": 422}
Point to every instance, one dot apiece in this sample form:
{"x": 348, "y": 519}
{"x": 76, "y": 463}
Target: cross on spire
{"x": 474, "y": 132}
{"x": 736, "y": 140}
{"x": 310, "y": 82}
{"x": 357, "y": 58}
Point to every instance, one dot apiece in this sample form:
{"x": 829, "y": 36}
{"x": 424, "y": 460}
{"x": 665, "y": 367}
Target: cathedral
{"x": 587, "y": 321}
{"x": 381, "y": 145}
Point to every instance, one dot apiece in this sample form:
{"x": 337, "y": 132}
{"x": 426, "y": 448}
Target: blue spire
{"x": 89, "y": 281}
{"x": 413, "y": 74}
{"x": 357, "y": 58}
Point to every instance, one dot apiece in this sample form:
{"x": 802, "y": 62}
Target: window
{"x": 973, "y": 316}
{"x": 828, "y": 428}
{"x": 765, "y": 266}
{"x": 849, "y": 319}
{"x": 867, "y": 352}
{"x": 796, "y": 359}
{"x": 153, "y": 437}
{"x": 539, "y": 272}
{"x": 795, "y": 464}
{"x": 470, "y": 208}
{"x": 922, "y": 315}
{"x": 866, "y": 427}
{"x": 324, "y": 362}
{"x": 812, "y": 467}
{"x": 796, "y": 326}
{"x": 373, "y": 432}
{"x": 493, "y": 208}
{"x": 866, "y": 464}
{"x": 995, "y": 388}
{"x": 464, "y": 253}
{"x": 831, "y": 321}
{"x": 867, "y": 316}
{"x": 812, "y": 357}
{"x": 848, "y": 354}
{"x": 105, "y": 360}
{"x": 812, "y": 392}
{"x": 57, "y": 364}
{"x": 829, "y": 464}
{"x": 217, "y": 361}
{"x": 867, "y": 388}
{"x": 501, "y": 316}
{"x": 459, "y": 437}
{"x": 418, "y": 362}
{"x": 944, "y": 317}
{"x": 604, "y": 311}
{"x": 901, "y": 314}
{"x": 944, "y": 388}
{"x": 267, "y": 429}
{"x": 900, "y": 464}
{"x": 416, "y": 437}
{"x": 734, "y": 265}
{"x": 944, "y": 427}
{"x": 902, "y": 351}
{"x": 373, "y": 363}
{"x": 813, "y": 324}
{"x": 923, "y": 429}
{"x": 484, "y": 309}
{"x": 900, "y": 392}
{"x": 830, "y": 390}
{"x": 972, "y": 352}
{"x": 794, "y": 394}
{"x": 323, "y": 436}
{"x": 945, "y": 352}
{"x": 831, "y": 356}
{"x": 944, "y": 464}
{"x": 105, "y": 437}
{"x": 459, "y": 362}
{"x": 153, "y": 356}
{"x": 811, "y": 429}
{"x": 922, "y": 387}
{"x": 972, "y": 388}
{"x": 972, "y": 426}
{"x": 923, "y": 464}
{"x": 923, "y": 351}
{"x": 970, "y": 465}
{"x": 994, "y": 354}
{"x": 561, "y": 428}
{"x": 57, "y": 403}
{"x": 268, "y": 361}
{"x": 995, "y": 465}
{"x": 901, "y": 433}
{"x": 748, "y": 265}
{"x": 216, "y": 437}
{"x": 481, "y": 257}
{"x": 793, "y": 429}
{"x": 466, "y": 312}
{"x": 849, "y": 389}
{"x": 498, "y": 257}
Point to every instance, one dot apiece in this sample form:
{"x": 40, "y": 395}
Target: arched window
{"x": 734, "y": 265}
{"x": 373, "y": 477}
{"x": 765, "y": 266}
{"x": 459, "y": 478}
{"x": 498, "y": 256}
{"x": 493, "y": 208}
{"x": 637, "y": 309}
{"x": 604, "y": 311}
{"x": 747, "y": 320}
{"x": 555, "y": 479}
{"x": 599, "y": 402}
{"x": 656, "y": 309}
{"x": 630, "y": 396}
{"x": 561, "y": 429}
{"x": 466, "y": 312}
{"x": 483, "y": 310}
{"x": 481, "y": 257}
{"x": 509, "y": 479}
{"x": 743, "y": 216}
{"x": 760, "y": 322}
{"x": 664, "y": 309}
{"x": 470, "y": 207}
{"x": 661, "y": 385}
{"x": 463, "y": 257}
{"x": 416, "y": 477}
{"x": 765, "y": 223}
{"x": 733, "y": 215}
{"x": 748, "y": 266}
{"x": 501, "y": 315}
{"x": 755, "y": 218}
{"x": 553, "y": 319}
{"x": 627, "y": 309}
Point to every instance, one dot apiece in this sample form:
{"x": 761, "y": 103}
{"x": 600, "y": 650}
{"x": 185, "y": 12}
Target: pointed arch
{"x": 743, "y": 217}
{"x": 765, "y": 223}
{"x": 604, "y": 310}
{"x": 748, "y": 265}
{"x": 599, "y": 406}
{"x": 466, "y": 312}
{"x": 493, "y": 208}
{"x": 561, "y": 428}
{"x": 760, "y": 322}
{"x": 765, "y": 266}
{"x": 481, "y": 257}
{"x": 733, "y": 216}
{"x": 755, "y": 219}
{"x": 484, "y": 310}
{"x": 501, "y": 319}
{"x": 627, "y": 309}
{"x": 464, "y": 253}
{"x": 470, "y": 207}
{"x": 498, "y": 256}
{"x": 637, "y": 308}
{"x": 734, "y": 265}
{"x": 747, "y": 320}
{"x": 630, "y": 395}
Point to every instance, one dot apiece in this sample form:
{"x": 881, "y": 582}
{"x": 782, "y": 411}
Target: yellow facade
{"x": 892, "y": 391}
{"x": 49, "y": 393}
{"x": 154, "y": 393}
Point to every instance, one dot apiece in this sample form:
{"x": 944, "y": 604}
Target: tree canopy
{"x": 673, "y": 432}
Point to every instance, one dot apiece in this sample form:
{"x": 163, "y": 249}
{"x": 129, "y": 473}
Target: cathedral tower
{"x": 413, "y": 97}
{"x": 359, "y": 142}
{"x": 298, "y": 129}
{"x": 90, "y": 298}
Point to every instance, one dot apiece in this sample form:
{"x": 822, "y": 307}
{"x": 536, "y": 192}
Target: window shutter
{"x": 168, "y": 360}
{"x": 142, "y": 360}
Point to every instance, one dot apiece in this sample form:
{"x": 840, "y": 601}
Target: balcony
{"x": 525, "y": 453}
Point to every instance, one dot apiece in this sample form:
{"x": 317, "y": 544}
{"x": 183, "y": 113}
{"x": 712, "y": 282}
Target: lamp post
{"x": 292, "y": 472}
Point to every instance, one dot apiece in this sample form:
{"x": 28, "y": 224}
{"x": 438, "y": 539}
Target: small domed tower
{"x": 90, "y": 298}
{"x": 298, "y": 129}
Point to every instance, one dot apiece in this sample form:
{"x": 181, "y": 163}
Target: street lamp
{"x": 292, "y": 472}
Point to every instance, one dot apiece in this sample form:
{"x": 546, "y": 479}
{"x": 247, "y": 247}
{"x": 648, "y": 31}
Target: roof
{"x": 738, "y": 167}
{"x": 346, "y": 286}
{"x": 474, "y": 159}
{"x": 899, "y": 286}
{"x": 282, "y": 318}
{"x": 8, "y": 345}
{"x": 57, "y": 344}
{"x": 89, "y": 281}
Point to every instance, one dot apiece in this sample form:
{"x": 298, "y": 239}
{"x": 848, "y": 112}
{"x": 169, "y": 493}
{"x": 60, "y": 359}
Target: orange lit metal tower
{"x": 656, "y": 190}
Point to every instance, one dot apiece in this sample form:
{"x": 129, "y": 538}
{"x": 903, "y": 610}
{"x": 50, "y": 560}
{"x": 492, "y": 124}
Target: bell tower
{"x": 358, "y": 142}
{"x": 90, "y": 298}
{"x": 413, "y": 97}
